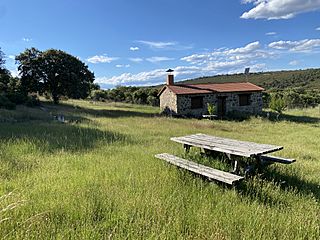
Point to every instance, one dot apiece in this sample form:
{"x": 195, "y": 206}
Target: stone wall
{"x": 232, "y": 103}
{"x": 254, "y": 107}
{"x": 173, "y": 104}
{"x": 168, "y": 102}
{"x": 184, "y": 104}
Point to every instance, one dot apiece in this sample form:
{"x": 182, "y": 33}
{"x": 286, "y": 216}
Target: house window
{"x": 244, "y": 99}
{"x": 196, "y": 102}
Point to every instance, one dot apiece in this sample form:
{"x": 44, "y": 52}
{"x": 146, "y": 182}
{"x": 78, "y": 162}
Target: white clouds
{"x": 165, "y": 45}
{"x": 196, "y": 58}
{"x": 142, "y": 78}
{"x": 279, "y": 9}
{"x": 158, "y": 45}
{"x": 271, "y": 33}
{"x": 12, "y": 57}
{"x": 219, "y": 61}
{"x": 318, "y": 29}
{"x": 158, "y": 59}
{"x": 101, "y": 59}
{"x": 305, "y": 45}
{"x": 214, "y": 66}
{"x": 123, "y": 66}
{"x": 129, "y": 77}
{"x": 136, "y": 60}
{"x": 26, "y": 39}
{"x": 244, "y": 50}
{"x": 249, "y": 52}
{"x": 134, "y": 48}
{"x": 294, "y": 63}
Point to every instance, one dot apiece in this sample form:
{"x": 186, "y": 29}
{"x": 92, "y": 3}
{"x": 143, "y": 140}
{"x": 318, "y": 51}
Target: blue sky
{"x": 128, "y": 42}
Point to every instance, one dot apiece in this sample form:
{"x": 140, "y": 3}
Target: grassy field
{"x": 95, "y": 177}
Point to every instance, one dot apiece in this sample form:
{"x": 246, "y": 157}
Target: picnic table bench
{"x": 235, "y": 150}
{"x": 208, "y": 172}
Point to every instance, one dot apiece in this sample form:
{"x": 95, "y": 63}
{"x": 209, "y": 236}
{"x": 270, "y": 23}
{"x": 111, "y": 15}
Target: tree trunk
{"x": 55, "y": 98}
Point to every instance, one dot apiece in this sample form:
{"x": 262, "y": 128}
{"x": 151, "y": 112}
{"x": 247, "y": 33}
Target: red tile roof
{"x": 181, "y": 89}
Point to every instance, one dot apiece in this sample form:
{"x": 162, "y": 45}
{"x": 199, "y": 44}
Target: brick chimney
{"x": 170, "y": 77}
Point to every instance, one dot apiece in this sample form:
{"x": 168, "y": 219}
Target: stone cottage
{"x": 192, "y": 99}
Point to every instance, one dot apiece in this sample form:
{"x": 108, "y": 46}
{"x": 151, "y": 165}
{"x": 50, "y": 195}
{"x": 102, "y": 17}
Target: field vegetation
{"x": 95, "y": 176}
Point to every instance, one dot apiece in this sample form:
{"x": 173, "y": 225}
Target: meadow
{"x": 95, "y": 176}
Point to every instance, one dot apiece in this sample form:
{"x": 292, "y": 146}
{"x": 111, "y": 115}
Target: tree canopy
{"x": 4, "y": 73}
{"x": 55, "y": 72}
{"x": 2, "y": 60}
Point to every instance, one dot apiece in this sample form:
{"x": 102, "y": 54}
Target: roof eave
{"x": 161, "y": 90}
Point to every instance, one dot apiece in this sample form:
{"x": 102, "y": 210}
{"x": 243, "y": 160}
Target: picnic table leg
{"x": 234, "y": 163}
{"x": 186, "y": 148}
{"x": 257, "y": 166}
{"x": 249, "y": 170}
{"x": 260, "y": 164}
{"x": 235, "y": 166}
{"x": 253, "y": 167}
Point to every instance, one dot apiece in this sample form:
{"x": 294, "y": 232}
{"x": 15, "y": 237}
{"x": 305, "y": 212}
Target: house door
{"x": 221, "y": 109}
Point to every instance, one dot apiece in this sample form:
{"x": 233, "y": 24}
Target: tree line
{"x": 137, "y": 95}
{"x": 56, "y": 74}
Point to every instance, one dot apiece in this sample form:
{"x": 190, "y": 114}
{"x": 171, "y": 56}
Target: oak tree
{"x": 55, "y": 72}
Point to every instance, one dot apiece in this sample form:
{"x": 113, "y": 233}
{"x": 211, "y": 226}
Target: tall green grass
{"x": 95, "y": 177}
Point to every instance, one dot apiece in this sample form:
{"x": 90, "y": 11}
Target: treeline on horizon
{"x": 57, "y": 75}
{"x": 297, "y": 88}
{"x": 136, "y": 95}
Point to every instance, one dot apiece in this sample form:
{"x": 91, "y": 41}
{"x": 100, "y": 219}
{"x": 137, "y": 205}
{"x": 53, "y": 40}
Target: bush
{"x": 32, "y": 101}
{"x": 6, "y": 103}
{"x": 238, "y": 115}
{"x": 98, "y": 95}
{"x": 153, "y": 101}
{"x": 128, "y": 95}
{"x": 277, "y": 104}
{"x": 17, "y": 97}
{"x": 211, "y": 108}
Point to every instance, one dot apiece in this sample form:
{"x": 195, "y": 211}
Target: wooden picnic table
{"x": 235, "y": 150}
{"x": 226, "y": 145}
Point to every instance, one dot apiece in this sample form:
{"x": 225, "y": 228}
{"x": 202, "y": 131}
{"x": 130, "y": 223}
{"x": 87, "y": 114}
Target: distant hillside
{"x": 307, "y": 79}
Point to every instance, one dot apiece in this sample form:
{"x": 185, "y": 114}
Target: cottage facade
{"x": 192, "y": 99}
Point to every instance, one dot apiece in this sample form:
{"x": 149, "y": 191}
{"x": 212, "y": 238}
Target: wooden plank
{"x": 233, "y": 142}
{"x": 213, "y": 144}
{"x": 231, "y": 146}
{"x": 236, "y": 142}
{"x": 208, "y": 172}
{"x": 213, "y": 148}
{"x": 270, "y": 158}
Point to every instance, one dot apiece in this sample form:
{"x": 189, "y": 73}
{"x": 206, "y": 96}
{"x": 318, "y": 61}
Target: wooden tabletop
{"x": 226, "y": 145}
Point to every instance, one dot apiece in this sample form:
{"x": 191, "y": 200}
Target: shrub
{"x": 153, "y": 101}
{"x": 211, "y": 108}
{"x": 98, "y": 95}
{"x": 238, "y": 115}
{"x": 32, "y": 101}
{"x": 17, "y": 97}
{"x": 277, "y": 104}
{"x": 6, "y": 103}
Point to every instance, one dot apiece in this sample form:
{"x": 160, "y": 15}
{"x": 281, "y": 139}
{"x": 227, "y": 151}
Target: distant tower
{"x": 247, "y": 72}
{"x": 170, "y": 77}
